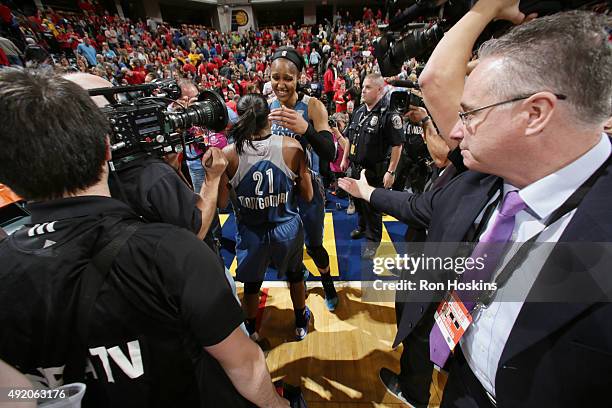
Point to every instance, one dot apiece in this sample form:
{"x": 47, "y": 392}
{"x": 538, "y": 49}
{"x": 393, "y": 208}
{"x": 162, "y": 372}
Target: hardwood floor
{"x": 337, "y": 364}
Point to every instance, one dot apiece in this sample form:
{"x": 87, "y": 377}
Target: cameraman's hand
{"x": 416, "y": 114}
{"x": 214, "y": 162}
{"x": 504, "y": 10}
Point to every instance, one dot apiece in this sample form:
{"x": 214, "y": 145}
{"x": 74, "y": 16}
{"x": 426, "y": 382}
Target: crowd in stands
{"x": 337, "y": 55}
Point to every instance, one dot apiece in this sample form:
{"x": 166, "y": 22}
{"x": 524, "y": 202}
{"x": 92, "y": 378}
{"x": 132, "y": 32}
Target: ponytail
{"x": 244, "y": 129}
{"x": 253, "y": 110}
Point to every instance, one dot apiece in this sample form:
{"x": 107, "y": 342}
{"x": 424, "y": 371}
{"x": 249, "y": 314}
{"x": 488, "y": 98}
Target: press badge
{"x": 353, "y": 149}
{"x": 453, "y": 319}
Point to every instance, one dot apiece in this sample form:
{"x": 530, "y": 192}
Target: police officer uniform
{"x": 148, "y": 323}
{"x": 371, "y": 134}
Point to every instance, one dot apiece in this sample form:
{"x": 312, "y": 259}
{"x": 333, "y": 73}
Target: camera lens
{"x": 209, "y": 112}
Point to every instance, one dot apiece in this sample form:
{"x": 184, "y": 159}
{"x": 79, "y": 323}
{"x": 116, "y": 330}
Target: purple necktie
{"x": 490, "y": 244}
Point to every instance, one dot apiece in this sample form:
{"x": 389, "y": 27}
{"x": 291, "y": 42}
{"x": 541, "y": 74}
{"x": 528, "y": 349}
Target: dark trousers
{"x": 331, "y": 106}
{"x": 370, "y": 219}
{"x": 416, "y": 367}
{"x": 463, "y": 389}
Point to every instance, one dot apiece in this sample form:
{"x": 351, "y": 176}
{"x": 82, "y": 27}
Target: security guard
{"x": 373, "y": 130}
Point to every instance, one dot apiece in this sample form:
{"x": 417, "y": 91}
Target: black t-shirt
{"x": 156, "y": 192}
{"x": 165, "y": 298}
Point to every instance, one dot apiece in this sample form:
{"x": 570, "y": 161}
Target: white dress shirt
{"x": 485, "y": 339}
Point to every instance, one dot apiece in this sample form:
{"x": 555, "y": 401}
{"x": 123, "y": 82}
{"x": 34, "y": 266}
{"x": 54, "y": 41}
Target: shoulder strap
{"x": 94, "y": 277}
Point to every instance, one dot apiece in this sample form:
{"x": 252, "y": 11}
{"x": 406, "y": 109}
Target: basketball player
{"x": 305, "y": 118}
{"x": 265, "y": 171}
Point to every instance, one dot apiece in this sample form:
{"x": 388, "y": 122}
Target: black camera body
{"x": 406, "y": 36}
{"x": 332, "y": 122}
{"x": 400, "y": 101}
{"x": 143, "y": 126}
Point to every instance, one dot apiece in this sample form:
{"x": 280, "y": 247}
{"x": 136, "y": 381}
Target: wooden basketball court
{"x": 337, "y": 364}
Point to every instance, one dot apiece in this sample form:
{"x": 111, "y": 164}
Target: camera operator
{"x": 373, "y": 130}
{"x": 156, "y": 189}
{"x": 89, "y": 292}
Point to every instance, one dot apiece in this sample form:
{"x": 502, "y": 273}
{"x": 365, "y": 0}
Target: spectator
{"x": 86, "y": 50}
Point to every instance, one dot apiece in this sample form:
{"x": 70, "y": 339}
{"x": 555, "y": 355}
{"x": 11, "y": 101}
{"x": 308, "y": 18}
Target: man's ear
{"x": 108, "y": 154}
{"x": 540, "y": 109}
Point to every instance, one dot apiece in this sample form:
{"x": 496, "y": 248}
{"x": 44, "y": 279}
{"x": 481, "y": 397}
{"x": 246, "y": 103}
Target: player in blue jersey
{"x": 263, "y": 174}
{"x": 305, "y": 119}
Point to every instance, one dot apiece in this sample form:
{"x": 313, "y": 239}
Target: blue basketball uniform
{"x": 312, "y": 213}
{"x": 269, "y": 229}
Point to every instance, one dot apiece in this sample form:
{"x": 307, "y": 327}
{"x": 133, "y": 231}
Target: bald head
{"x": 89, "y": 81}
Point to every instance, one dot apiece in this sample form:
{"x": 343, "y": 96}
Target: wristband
{"x": 424, "y": 121}
{"x": 391, "y": 173}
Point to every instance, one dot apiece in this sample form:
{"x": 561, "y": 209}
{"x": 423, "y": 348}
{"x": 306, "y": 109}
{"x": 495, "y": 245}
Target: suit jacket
{"x": 558, "y": 353}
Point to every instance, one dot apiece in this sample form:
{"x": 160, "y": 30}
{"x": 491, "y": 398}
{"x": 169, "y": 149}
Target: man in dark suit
{"x": 528, "y": 130}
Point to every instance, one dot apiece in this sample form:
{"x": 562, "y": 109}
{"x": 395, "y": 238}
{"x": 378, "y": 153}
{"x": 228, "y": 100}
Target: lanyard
{"x": 521, "y": 255}
{"x": 356, "y": 138}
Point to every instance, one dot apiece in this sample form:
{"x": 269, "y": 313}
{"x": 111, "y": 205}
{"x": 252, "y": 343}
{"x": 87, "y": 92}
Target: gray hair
{"x": 376, "y": 78}
{"x": 565, "y": 53}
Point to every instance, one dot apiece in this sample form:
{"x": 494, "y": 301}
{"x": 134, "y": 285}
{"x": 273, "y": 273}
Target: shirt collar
{"x": 549, "y": 193}
{"x": 74, "y": 207}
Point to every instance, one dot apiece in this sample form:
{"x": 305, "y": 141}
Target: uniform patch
{"x": 397, "y": 121}
{"x": 374, "y": 121}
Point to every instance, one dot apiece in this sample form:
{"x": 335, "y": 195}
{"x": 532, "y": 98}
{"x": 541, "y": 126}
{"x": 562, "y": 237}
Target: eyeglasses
{"x": 467, "y": 116}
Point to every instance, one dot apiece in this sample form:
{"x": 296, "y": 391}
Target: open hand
{"x": 357, "y": 188}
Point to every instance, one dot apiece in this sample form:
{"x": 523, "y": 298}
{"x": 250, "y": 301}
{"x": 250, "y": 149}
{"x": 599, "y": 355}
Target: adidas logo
{"x": 43, "y": 228}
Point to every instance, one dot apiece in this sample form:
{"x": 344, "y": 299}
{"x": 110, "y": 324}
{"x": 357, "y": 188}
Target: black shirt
{"x": 372, "y": 133}
{"x": 156, "y": 192}
{"x": 166, "y": 297}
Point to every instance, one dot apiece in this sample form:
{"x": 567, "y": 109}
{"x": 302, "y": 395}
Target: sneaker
{"x": 391, "y": 383}
{"x": 301, "y": 332}
{"x": 331, "y": 303}
{"x": 350, "y": 210}
{"x": 331, "y": 297}
{"x": 369, "y": 253}
{"x": 357, "y": 233}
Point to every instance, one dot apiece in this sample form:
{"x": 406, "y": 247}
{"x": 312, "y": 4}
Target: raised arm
{"x": 443, "y": 78}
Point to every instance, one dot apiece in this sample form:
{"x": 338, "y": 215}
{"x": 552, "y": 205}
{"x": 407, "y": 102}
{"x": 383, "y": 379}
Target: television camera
{"x": 406, "y": 36}
{"x": 141, "y": 125}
